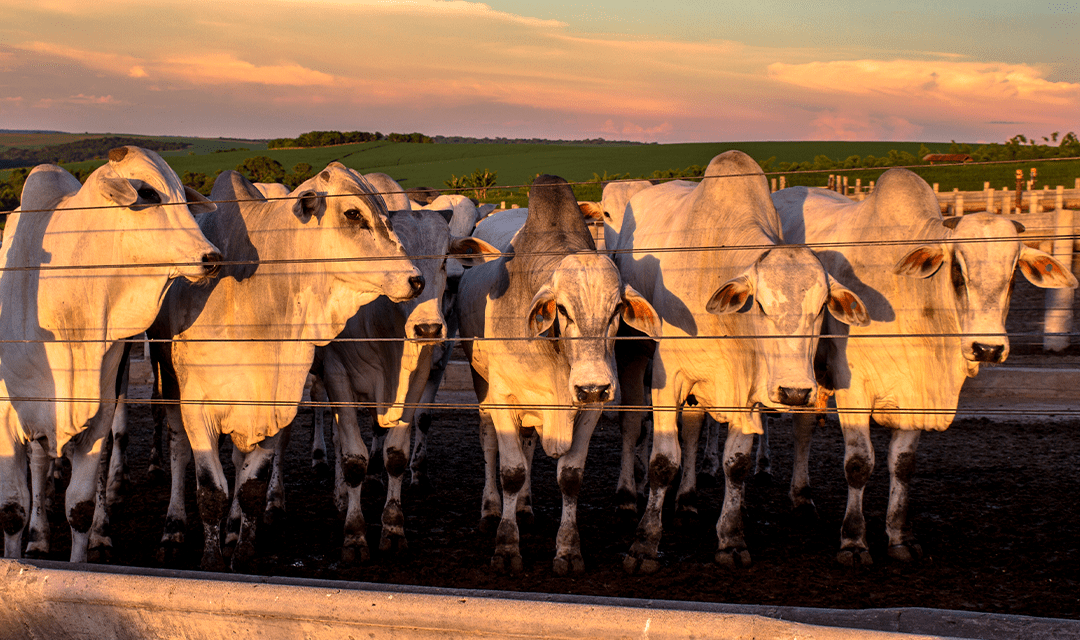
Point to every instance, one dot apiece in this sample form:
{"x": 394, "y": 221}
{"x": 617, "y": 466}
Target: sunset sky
{"x": 969, "y": 70}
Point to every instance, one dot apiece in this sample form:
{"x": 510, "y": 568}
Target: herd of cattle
{"x": 707, "y": 304}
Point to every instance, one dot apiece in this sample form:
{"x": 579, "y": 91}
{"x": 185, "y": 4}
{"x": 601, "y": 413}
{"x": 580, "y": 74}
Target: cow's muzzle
{"x": 428, "y": 331}
{"x": 211, "y": 264}
{"x": 592, "y": 393}
{"x": 794, "y": 397}
{"x": 987, "y": 352}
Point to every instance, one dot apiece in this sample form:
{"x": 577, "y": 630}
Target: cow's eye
{"x": 358, "y": 218}
{"x": 149, "y": 196}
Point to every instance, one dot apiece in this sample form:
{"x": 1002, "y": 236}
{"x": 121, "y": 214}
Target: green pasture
{"x": 430, "y": 165}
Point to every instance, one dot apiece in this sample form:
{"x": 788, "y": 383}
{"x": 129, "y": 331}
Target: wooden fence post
{"x": 1059, "y": 302}
{"x": 845, "y": 186}
{"x": 858, "y": 185}
{"x": 958, "y": 205}
{"x": 783, "y": 182}
{"x": 774, "y": 185}
{"x": 1033, "y": 202}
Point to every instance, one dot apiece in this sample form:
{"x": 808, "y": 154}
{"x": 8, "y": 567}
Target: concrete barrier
{"x": 42, "y": 599}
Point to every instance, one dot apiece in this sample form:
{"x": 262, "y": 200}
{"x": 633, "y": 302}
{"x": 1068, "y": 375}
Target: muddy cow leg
{"x": 686, "y": 499}
{"x": 318, "y": 428}
{"x": 802, "y": 501}
{"x": 571, "y": 471}
{"x": 710, "y": 458}
{"x": 632, "y": 383}
{"x": 663, "y": 465}
{"x": 14, "y": 493}
{"x": 858, "y": 465}
{"x": 396, "y": 460}
{"x": 40, "y": 465}
{"x": 902, "y": 544}
{"x": 274, "y": 516}
{"x": 180, "y": 454}
{"x": 513, "y": 469}
{"x": 252, "y": 478}
{"x": 491, "y": 500}
{"x": 730, "y": 533}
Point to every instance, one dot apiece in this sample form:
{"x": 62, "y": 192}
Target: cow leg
{"x": 902, "y": 544}
{"x": 710, "y": 459}
{"x": 212, "y": 489}
{"x": 763, "y": 462}
{"x": 632, "y": 383}
{"x": 154, "y": 469}
{"x": 858, "y": 465}
{"x": 420, "y": 481}
{"x": 353, "y": 456}
{"x": 731, "y": 548}
{"x": 252, "y": 479}
{"x": 40, "y": 465}
{"x": 525, "y": 516}
{"x": 274, "y": 516}
{"x": 117, "y": 480}
{"x": 686, "y": 508}
{"x": 570, "y": 471}
{"x": 235, "y": 520}
{"x": 396, "y": 460}
{"x": 180, "y": 454}
{"x": 14, "y": 493}
{"x": 81, "y": 497}
{"x": 802, "y": 500}
{"x": 376, "y": 469}
{"x": 663, "y": 465}
{"x": 318, "y": 429}
{"x": 491, "y": 502}
{"x": 513, "y": 470}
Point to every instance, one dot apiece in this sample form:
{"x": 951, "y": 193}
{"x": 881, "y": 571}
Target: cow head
{"x": 582, "y": 304}
{"x": 976, "y": 262}
{"x": 426, "y": 237}
{"x": 786, "y": 293}
{"x": 349, "y": 220}
{"x": 155, "y": 223}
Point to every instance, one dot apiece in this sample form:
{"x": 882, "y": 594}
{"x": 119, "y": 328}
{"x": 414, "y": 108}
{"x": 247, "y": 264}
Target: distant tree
{"x": 200, "y": 182}
{"x": 262, "y": 169}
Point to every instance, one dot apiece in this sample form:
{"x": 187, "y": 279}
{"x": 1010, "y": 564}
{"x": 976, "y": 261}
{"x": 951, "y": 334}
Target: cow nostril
{"x": 592, "y": 392}
{"x": 794, "y": 397}
{"x": 417, "y": 284}
{"x": 210, "y": 264}
{"x": 428, "y": 330}
{"x": 987, "y": 352}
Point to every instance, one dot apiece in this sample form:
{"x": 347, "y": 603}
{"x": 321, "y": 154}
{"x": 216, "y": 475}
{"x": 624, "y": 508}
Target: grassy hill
{"x": 430, "y": 165}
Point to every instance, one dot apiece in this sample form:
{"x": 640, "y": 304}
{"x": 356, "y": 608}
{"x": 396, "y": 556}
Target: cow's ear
{"x": 472, "y": 251}
{"x": 731, "y": 296}
{"x": 447, "y": 214}
{"x": 542, "y": 311}
{"x": 921, "y": 262}
{"x": 639, "y": 314}
{"x": 1043, "y": 270}
{"x": 309, "y": 203}
{"x": 116, "y": 189}
{"x": 198, "y": 203}
{"x": 845, "y": 306}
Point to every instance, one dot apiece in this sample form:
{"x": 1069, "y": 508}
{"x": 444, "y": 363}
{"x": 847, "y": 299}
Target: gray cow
{"x": 538, "y": 327}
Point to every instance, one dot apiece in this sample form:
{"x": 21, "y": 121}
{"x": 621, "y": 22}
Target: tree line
{"x": 331, "y": 138}
{"x": 79, "y": 150}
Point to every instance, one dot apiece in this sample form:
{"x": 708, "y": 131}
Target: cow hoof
{"x": 626, "y": 515}
{"x": 355, "y": 554}
{"x": 274, "y": 516}
{"x": 854, "y": 557}
{"x": 568, "y": 564}
{"x": 906, "y": 552}
{"x": 642, "y": 566}
{"x": 321, "y": 470}
{"x": 393, "y": 543}
{"x": 509, "y": 563}
{"x": 489, "y": 524}
{"x": 763, "y": 479}
{"x": 36, "y": 553}
{"x": 732, "y": 558}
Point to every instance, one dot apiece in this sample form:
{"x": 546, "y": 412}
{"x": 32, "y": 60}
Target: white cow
{"x": 85, "y": 267}
{"x": 392, "y": 375}
{"x": 243, "y": 347}
{"x": 733, "y": 354}
{"x": 392, "y": 194}
{"x": 941, "y": 307}
{"x": 272, "y": 189}
{"x": 537, "y": 326}
{"x": 613, "y": 201}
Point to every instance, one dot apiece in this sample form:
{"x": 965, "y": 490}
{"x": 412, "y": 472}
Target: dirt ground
{"x": 994, "y": 506}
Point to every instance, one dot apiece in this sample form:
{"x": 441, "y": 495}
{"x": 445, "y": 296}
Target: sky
{"x": 684, "y": 71}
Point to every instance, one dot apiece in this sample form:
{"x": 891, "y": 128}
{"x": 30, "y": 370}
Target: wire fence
{"x": 1028, "y": 237}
